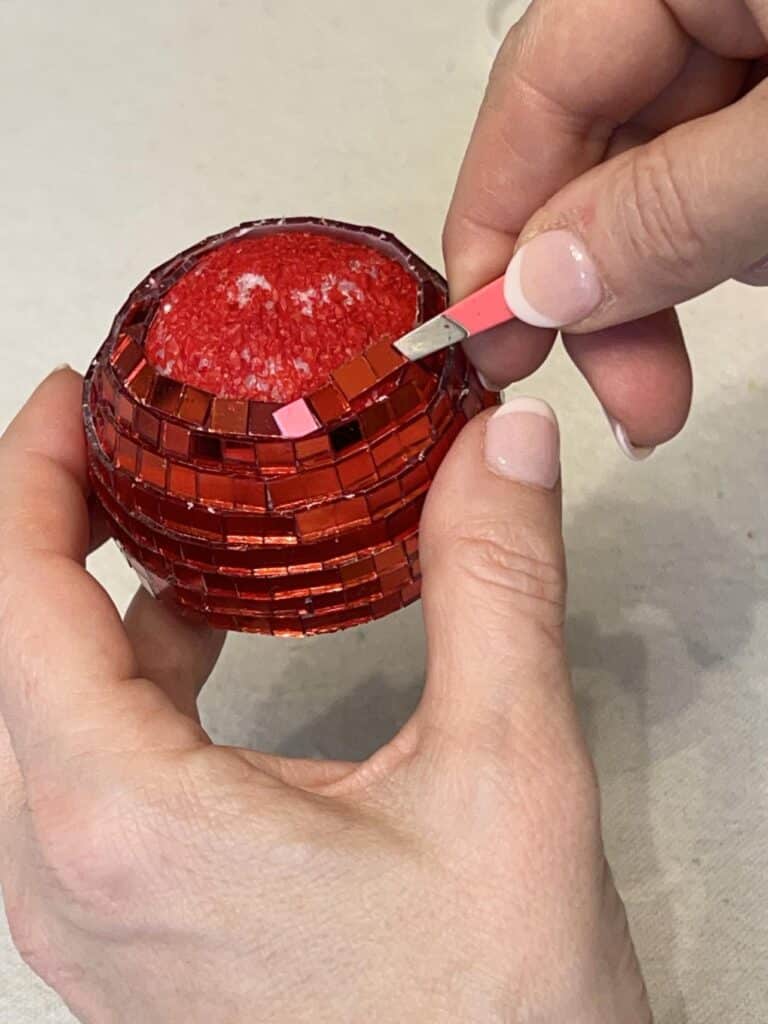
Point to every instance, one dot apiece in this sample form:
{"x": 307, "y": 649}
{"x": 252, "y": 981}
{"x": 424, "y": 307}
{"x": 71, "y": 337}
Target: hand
{"x": 458, "y": 875}
{"x": 620, "y": 153}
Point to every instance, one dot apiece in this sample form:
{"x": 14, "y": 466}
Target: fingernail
{"x": 488, "y": 385}
{"x": 522, "y": 442}
{"x": 60, "y": 368}
{"x": 632, "y": 451}
{"x": 552, "y": 281}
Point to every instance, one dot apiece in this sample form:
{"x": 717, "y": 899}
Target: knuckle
{"x": 29, "y": 934}
{"x": 51, "y": 960}
{"x": 88, "y": 852}
{"x": 515, "y": 562}
{"x": 663, "y": 224}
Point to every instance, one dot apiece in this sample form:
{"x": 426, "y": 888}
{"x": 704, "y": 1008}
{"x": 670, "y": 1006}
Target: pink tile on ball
{"x": 295, "y": 419}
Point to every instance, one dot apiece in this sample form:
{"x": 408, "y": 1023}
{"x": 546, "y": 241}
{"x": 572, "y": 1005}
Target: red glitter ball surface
{"x": 220, "y": 514}
{"x": 269, "y": 317}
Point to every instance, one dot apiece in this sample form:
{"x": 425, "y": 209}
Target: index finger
{"x": 67, "y": 668}
{"x": 567, "y": 75}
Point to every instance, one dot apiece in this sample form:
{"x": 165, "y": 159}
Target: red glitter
{"x": 269, "y": 317}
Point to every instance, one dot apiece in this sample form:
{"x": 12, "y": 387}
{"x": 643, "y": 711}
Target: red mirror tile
{"x": 194, "y": 406}
{"x": 357, "y": 471}
{"x": 384, "y": 359}
{"x": 126, "y": 357}
{"x": 147, "y": 426}
{"x": 216, "y": 489}
{"x": 376, "y": 418}
{"x": 175, "y": 439}
{"x": 182, "y": 481}
{"x": 166, "y": 395}
{"x": 389, "y": 455}
{"x": 312, "y": 450}
{"x": 229, "y": 417}
{"x": 124, "y": 411}
{"x": 328, "y": 404}
{"x": 322, "y": 484}
{"x": 355, "y": 377}
{"x": 236, "y": 451}
{"x": 287, "y": 492}
{"x": 261, "y": 419}
{"x": 127, "y": 456}
{"x": 249, "y": 493}
{"x": 390, "y": 558}
{"x": 154, "y": 470}
{"x": 275, "y": 457}
{"x": 140, "y": 382}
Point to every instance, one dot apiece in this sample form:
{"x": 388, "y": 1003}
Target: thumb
{"x": 650, "y": 228}
{"x": 494, "y": 577}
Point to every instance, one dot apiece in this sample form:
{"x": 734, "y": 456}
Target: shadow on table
{"x": 694, "y": 581}
{"x": 693, "y": 572}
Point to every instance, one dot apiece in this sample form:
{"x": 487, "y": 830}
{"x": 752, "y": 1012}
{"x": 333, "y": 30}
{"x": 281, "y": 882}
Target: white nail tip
{"x": 521, "y": 403}
{"x": 516, "y": 300}
{"x": 632, "y": 452}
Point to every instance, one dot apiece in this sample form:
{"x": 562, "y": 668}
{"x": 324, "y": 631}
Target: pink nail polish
{"x": 522, "y": 443}
{"x": 552, "y": 281}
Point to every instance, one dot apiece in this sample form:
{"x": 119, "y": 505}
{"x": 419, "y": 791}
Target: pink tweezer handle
{"x": 483, "y": 309}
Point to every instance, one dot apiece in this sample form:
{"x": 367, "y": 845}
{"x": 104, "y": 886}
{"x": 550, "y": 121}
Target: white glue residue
{"x": 305, "y": 300}
{"x": 247, "y": 284}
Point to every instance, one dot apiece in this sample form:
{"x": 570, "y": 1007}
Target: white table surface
{"x": 132, "y": 130}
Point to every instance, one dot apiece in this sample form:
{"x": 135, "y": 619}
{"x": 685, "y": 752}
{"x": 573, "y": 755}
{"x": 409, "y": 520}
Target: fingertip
{"x": 508, "y": 353}
{"x": 641, "y": 375}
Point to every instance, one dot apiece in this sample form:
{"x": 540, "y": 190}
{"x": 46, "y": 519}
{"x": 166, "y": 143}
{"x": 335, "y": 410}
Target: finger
{"x": 705, "y": 83}
{"x": 547, "y": 116}
{"x": 508, "y": 352}
{"x": 11, "y": 802}
{"x": 732, "y": 28}
{"x": 177, "y": 654}
{"x": 67, "y": 669}
{"x": 494, "y": 582}
{"x": 655, "y": 226}
{"x": 641, "y": 375}
{"x": 566, "y": 77}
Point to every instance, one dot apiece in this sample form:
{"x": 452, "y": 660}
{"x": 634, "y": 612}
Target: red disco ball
{"x": 260, "y": 448}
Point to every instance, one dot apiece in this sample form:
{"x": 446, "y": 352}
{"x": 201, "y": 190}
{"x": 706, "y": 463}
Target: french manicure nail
{"x": 632, "y": 451}
{"x": 522, "y": 442}
{"x": 552, "y": 281}
{"x": 61, "y": 367}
